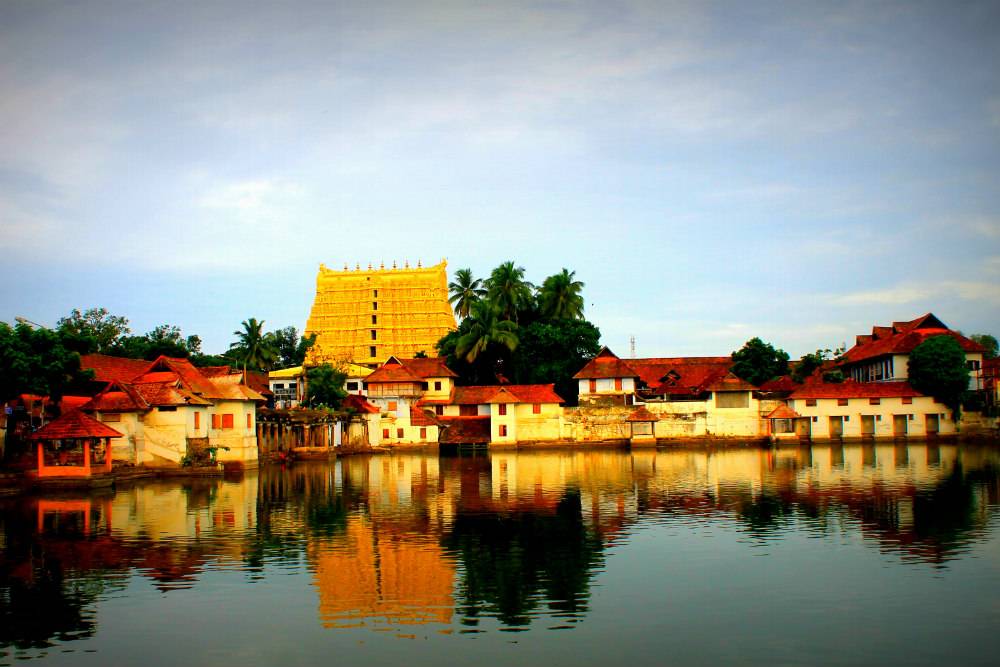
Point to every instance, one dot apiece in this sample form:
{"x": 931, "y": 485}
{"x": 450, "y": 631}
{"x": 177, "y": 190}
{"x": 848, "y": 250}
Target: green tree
{"x": 106, "y": 329}
{"x": 289, "y": 347}
{"x": 37, "y": 361}
{"x": 465, "y": 291}
{"x": 937, "y": 368}
{"x": 487, "y": 333}
{"x": 508, "y": 291}
{"x": 252, "y": 349}
{"x": 757, "y": 362}
{"x": 325, "y": 387}
{"x": 560, "y": 297}
{"x": 553, "y": 351}
{"x": 989, "y": 342}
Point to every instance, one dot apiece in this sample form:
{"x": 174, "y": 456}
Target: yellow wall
{"x": 410, "y": 306}
{"x": 887, "y": 408}
{"x": 240, "y": 442}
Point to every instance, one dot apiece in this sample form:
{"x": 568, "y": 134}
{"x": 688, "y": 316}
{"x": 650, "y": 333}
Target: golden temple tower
{"x": 365, "y": 316}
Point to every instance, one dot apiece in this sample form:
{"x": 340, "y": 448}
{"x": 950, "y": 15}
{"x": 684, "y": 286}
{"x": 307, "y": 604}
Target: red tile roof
{"x": 393, "y": 372}
{"x": 419, "y": 417}
{"x": 902, "y": 337}
{"x": 506, "y": 393}
{"x": 358, "y": 404}
{"x": 111, "y": 369}
{"x": 783, "y": 412}
{"x": 118, "y": 397}
{"x": 167, "y": 394}
{"x": 606, "y": 365}
{"x": 74, "y": 425}
{"x": 70, "y": 403}
{"x": 783, "y": 383}
{"x": 728, "y": 382}
{"x": 429, "y": 367}
{"x": 681, "y": 375}
{"x": 852, "y": 389}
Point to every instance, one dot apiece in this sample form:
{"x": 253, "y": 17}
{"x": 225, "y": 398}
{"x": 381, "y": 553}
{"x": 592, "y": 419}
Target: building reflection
{"x": 407, "y": 540}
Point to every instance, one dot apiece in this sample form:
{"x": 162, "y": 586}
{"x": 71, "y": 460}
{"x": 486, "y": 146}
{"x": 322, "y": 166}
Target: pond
{"x": 859, "y": 554}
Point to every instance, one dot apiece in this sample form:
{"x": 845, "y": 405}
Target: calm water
{"x": 833, "y": 555}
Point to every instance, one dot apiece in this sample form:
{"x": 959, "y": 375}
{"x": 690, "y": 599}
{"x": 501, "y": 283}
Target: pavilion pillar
{"x": 86, "y": 458}
{"x": 107, "y": 454}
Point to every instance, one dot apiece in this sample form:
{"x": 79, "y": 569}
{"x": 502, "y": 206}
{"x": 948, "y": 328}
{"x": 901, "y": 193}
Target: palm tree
{"x": 465, "y": 291}
{"x": 485, "y": 331}
{"x": 253, "y": 348}
{"x": 508, "y": 291}
{"x": 560, "y": 298}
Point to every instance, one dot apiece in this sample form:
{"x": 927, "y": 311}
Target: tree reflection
{"x": 511, "y": 562}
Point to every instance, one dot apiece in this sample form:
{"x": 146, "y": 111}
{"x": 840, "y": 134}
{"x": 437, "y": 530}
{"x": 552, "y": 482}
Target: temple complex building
{"x": 364, "y": 316}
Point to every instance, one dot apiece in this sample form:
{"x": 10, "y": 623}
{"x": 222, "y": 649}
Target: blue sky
{"x": 712, "y": 171}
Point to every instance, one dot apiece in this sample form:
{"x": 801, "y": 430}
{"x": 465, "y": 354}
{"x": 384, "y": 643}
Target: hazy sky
{"x": 712, "y": 171}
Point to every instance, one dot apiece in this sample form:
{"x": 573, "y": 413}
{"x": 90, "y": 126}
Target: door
{"x": 932, "y": 424}
{"x": 803, "y": 427}
{"x": 836, "y": 427}
{"x": 899, "y": 424}
{"x": 867, "y": 425}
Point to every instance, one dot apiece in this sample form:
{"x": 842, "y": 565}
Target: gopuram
{"x": 366, "y": 316}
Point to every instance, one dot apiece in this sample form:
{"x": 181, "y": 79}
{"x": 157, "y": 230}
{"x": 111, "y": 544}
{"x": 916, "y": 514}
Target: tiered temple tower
{"x": 364, "y": 316}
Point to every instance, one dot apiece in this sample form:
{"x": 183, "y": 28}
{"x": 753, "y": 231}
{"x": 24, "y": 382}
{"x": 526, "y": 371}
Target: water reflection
{"x": 464, "y": 544}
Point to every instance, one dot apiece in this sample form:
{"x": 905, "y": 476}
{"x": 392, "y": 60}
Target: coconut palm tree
{"x": 560, "y": 298}
{"x": 508, "y": 291}
{"x": 465, "y": 291}
{"x": 253, "y": 348}
{"x": 487, "y": 329}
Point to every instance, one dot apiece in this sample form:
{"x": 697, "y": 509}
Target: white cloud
{"x": 926, "y": 293}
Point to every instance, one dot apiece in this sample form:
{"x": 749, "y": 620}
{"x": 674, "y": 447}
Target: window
{"x": 503, "y": 430}
{"x": 874, "y": 401}
{"x": 907, "y": 400}
{"x": 291, "y": 385}
{"x": 116, "y": 417}
{"x": 847, "y": 418}
{"x": 374, "y": 319}
{"x": 393, "y": 406}
{"x": 618, "y": 384}
{"x": 593, "y": 386}
{"x": 385, "y": 434}
{"x": 423, "y": 433}
{"x": 374, "y": 305}
{"x": 467, "y": 410}
{"x": 374, "y": 293}
{"x": 732, "y": 399}
{"x": 503, "y": 409}
{"x": 197, "y": 420}
{"x": 227, "y": 420}
{"x": 215, "y": 421}
{"x": 371, "y": 351}
{"x": 536, "y": 409}
{"x": 374, "y": 335}
{"x": 352, "y": 386}
{"x": 815, "y": 419}
{"x": 810, "y": 402}
{"x": 278, "y": 385}
{"x": 437, "y": 385}
{"x": 249, "y": 420}
{"x": 399, "y": 433}
{"x": 167, "y": 408}
{"x": 841, "y": 401}
{"x": 973, "y": 364}
{"x": 439, "y": 409}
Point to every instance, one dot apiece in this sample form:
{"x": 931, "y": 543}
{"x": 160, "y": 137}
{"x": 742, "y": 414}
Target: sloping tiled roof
{"x": 429, "y": 367}
{"x": 69, "y": 403}
{"x": 358, "y": 404}
{"x": 902, "y": 337}
{"x": 852, "y": 389}
{"x": 110, "y": 369}
{"x": 605, "y": 365}
{"x": 505, "y": 393}
{"x": 118, "y": 397}
{"x": 229, "y": 387}
{"x": 392, "y": 371}
{"x": 465, "y": 429}
{"x": 420, "y": 417}
{"x": 782, "y": 412}
{"x": 782, "y": 383}
{"x": 167, "y": 394}
{"x": 681, "y": 375}
{"x": 75, "y": 424}
{"x": 728, "y": 382}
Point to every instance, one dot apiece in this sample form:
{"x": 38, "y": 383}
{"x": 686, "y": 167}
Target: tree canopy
{"x": 290, "y": 349}
{"x": 252, "y": 349}
{"x": 38, "y": 361}
{"x": 989, "y": 342}
{"x": 560, "y": 297}
{"x": 465, "y": 291}
{"x": 757, "y": 362}
{"x": 325, "y": 387}
{"x": 937, "y": 368}
{"x": 97, "y": 323}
